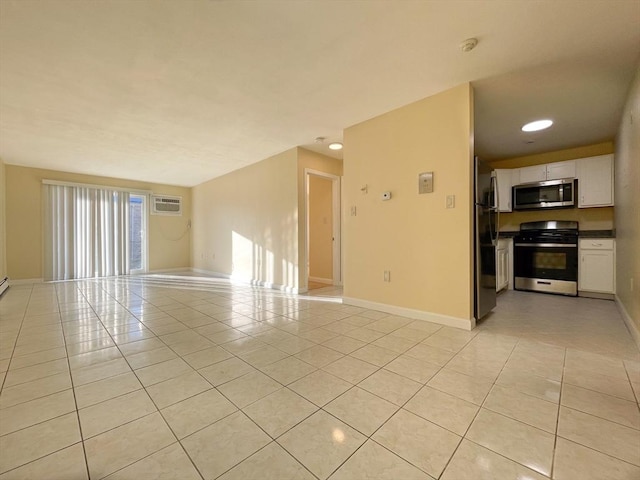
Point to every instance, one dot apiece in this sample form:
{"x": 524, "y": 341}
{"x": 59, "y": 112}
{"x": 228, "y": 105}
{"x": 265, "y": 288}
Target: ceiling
{"x": 182, "y": 91}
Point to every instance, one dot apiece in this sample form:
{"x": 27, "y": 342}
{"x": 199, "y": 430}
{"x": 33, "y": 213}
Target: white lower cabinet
{"x": 503, "y": 264}
{"x": 596, "y": 269}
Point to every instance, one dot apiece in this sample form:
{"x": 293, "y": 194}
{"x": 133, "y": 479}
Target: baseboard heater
{"x": 4, "y": 284}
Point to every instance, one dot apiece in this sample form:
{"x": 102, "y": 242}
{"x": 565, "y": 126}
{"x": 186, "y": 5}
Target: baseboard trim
{"x": 600, "y": 296}
{"x": 168, "y": 270}
{"x": 456, "y": 322}
{"x": 327, "y": 281}
{"x": 248, "y": 281}
{"x": 27, "y": 281}
{"x": 210, "y": 272}
{"x": 628, "y": 321}
{"x": 4, "y": 285}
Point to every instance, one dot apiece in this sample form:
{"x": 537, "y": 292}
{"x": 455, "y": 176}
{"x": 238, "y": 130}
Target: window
{"x": 92, "y": 231}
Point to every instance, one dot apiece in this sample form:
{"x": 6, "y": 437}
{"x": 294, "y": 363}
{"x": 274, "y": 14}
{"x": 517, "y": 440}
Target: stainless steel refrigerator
{"x": 486, "y": 238}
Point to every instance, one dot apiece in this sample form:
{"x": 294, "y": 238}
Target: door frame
{"x": 336, "y": 189}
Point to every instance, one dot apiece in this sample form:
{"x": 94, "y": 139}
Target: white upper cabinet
{"x": 549, "y": 171}
{"x": 505, "y": 182}
{"x": 595, "y": 181}
{"x": 558, "y": 170}
{"x": 536, "y": 173}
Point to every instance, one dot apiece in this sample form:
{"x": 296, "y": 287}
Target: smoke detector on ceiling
{"x": 469, "y": 44}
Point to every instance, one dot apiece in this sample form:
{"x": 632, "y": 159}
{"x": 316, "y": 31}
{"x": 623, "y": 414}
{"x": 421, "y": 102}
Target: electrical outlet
{"x": 353, "y": 211}
{"x": 387, "y": 275}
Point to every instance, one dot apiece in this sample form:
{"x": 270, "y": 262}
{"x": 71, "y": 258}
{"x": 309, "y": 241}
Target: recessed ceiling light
{"x": 335, "y": 146}
{"x": 537, "y": 125}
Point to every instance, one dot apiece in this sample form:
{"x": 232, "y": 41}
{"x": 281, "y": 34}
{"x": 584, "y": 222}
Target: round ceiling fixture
{"x": 537, "y": 125}
{"x": 469, "y": 44}
{"x": 335, "y": 146}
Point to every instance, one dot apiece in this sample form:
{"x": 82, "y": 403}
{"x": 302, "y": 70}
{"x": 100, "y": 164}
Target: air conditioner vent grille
{"x": 165, "y": 205}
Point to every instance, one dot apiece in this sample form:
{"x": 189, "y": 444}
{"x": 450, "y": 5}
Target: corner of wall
{"x": 427, "y": 247}
{"x": 627, "y": 199}
{"x": 3, "y": 221}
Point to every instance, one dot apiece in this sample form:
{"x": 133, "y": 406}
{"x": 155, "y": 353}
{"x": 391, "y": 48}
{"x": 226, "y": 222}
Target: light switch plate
{"x": 425, "y": 182}
{"x": 451, "y": 201}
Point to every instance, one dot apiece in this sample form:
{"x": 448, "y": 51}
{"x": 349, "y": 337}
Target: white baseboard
{"x": 210, "y": 272}
{"x": 631, "y": 326}
{"x": 27, "y": 281}
{"x": 327, "y": 281}
{"x": 249, "y": 281}
{"x": 170, "y": 270}
{"x": 412, "y": 313}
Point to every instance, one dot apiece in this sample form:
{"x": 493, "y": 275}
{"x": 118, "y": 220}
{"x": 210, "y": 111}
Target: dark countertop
{"x": 581, "y": 234}
{"x": 597, "y": 233}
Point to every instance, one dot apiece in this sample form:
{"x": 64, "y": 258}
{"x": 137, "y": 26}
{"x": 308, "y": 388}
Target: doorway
{"x": 323, "y": 253}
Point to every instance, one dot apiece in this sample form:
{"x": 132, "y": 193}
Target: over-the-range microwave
{"x": 549, "y": 194}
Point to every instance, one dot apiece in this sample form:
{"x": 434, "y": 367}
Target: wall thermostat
{"x": 425, "y": 182}
{"x": 386, "y": 195}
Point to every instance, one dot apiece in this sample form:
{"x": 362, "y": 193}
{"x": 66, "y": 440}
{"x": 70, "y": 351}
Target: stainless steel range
{"x": 546, "y": 257}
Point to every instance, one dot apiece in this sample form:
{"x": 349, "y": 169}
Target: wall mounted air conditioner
{"x": 166, "y": 205}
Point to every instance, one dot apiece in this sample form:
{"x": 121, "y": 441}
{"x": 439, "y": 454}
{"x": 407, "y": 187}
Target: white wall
{"x": 245, "y": 223}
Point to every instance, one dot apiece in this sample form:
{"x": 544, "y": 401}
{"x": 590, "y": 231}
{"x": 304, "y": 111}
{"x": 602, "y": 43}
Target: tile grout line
{"x": 378, "y": 367}
{"x": 555, "y": 436}
{"x": 15, "y": 342}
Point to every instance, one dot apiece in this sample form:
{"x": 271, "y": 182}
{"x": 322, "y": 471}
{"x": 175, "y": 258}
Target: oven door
{"x": 546, "y": 267}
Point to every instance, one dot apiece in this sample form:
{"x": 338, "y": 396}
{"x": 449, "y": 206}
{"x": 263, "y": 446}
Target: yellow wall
{"x": 427, "y": 248}
{"x": 321, "y": 163}
{"x": 627, "y": 195}
{"x": 169, "y": 242}
{"x": 245, "y": 223}
{"x": 320, "y": 228}
{"x": 3, "y": 237}
{"x": 588, "y": 218}
{"x": 555, "y": 156}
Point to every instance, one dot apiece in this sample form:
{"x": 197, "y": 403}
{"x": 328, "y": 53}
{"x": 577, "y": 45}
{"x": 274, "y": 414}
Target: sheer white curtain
{"x": 86, "y": 232}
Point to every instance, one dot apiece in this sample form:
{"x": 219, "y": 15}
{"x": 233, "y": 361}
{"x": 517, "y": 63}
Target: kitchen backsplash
{"x": 587, "y": 218}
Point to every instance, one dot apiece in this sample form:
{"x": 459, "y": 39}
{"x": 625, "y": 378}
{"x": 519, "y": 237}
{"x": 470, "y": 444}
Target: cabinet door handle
{"x": 594, "y": 244}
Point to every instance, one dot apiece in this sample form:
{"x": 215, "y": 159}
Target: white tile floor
{"x": 187, "y": 378}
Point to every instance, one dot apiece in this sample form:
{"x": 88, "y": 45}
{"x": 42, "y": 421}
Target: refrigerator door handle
{"x": 496, "y": 189}
{"x": 493, "y": 229}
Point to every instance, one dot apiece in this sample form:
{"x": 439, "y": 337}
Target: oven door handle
{"x": 554, "y": 245}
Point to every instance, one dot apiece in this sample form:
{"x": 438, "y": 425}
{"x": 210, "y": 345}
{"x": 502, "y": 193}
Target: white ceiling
{"x": 181, "y": 91}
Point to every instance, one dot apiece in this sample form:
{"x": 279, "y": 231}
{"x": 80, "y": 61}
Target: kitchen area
{"x": 556, "y": 226}
{"x": 555, "y": 249}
